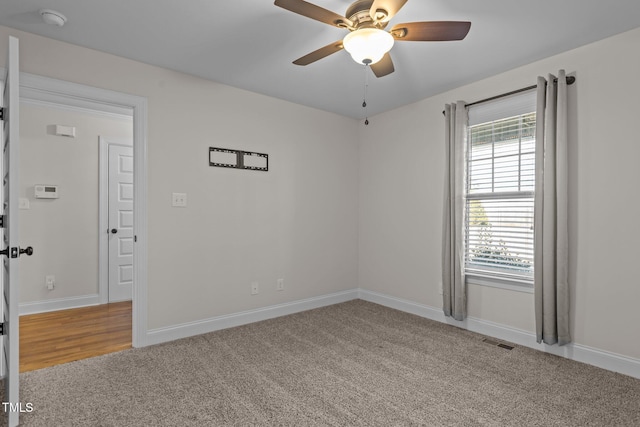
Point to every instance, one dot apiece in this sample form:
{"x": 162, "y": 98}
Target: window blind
{"x": 509, "y": 106}
{"x": 500, "y": 188}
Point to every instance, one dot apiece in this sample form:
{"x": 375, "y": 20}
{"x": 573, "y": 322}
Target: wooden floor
{"x": 57, "y": 337}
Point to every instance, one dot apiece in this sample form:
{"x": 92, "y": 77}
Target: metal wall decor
{"x": 238, "y": 159}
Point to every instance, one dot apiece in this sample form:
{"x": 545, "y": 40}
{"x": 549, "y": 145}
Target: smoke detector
{"x": 52, "y": 17}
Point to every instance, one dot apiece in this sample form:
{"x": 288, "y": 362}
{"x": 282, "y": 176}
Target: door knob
{"x": 28, "y": 250}
{"x": 14, "y": 252}
{"x": 114, "y": 230}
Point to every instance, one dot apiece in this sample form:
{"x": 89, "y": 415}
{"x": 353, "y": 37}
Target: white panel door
{"x": 10, "y": 243}
{"x": 120, "y": 222}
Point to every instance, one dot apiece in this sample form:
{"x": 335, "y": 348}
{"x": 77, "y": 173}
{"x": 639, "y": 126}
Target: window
{"x": 499, "y": 190}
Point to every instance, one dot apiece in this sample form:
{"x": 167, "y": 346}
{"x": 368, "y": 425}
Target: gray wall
{"x": 401, "y": 198}
{"x": 324, "y": 224}
{"x": 297, "y": 222}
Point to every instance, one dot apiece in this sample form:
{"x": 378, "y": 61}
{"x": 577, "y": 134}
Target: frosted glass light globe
{"x": 368, "y": 45}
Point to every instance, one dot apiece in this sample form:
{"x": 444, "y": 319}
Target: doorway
{"x": 64, "y": 223}
{"x": 60, "y": 149}
{"x": 51, "y": 91}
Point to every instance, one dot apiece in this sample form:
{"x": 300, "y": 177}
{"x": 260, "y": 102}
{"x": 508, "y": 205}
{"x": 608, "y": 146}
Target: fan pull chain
{"x": 364, "y": 98}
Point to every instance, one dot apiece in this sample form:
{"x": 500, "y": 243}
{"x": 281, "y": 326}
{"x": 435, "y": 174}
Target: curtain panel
{"x": 453, "y": 281}
{"x": 551, "y": 285}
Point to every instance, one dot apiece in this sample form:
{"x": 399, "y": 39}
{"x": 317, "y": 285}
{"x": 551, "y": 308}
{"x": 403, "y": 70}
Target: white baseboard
{"x": 170, "y": 333}
{"x": 58, "y": 304}
{"x": 578, "y": 352}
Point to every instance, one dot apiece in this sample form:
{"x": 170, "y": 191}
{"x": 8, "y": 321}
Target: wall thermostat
{"x": 46, "y": 191}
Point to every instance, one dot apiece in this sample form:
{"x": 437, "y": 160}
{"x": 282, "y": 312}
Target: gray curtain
{"x": 551, "y": 285}
{"x": 453, "y": 285}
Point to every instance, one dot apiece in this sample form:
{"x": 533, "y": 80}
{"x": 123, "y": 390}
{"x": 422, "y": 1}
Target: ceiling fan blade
{"x": 383, "y": 67}
{"x": 314, "y": 12}
{"x": 431, "y": 31}
{"x": 320, "y": 53}
{"x": 390, "y": 8}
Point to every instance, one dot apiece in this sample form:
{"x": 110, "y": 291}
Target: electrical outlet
{"x": 280, "y": 285}
{"x": 254, "y": 288}
{"x": 50, "y": 282}
{"x": 440, "y": 289}
{"x": 179, "y": 200}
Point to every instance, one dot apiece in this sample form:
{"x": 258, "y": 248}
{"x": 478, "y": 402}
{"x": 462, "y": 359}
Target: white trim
{"x": 578, "y": 352}
{"x": 103, "y": 220}
{"x": 58, "y": 304}
{"x": 140, "y": 331}
{"x": 500, "y": 284}
{"x": 66, "y": 95}
{"x": 48, "y": 90}
{"x": 404, "y": 305}
{"x": 33, "y": 99}
{"x": 170, "y": 333}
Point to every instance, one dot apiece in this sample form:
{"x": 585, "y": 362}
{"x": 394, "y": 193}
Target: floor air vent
{"x": 498, "y": 344}
{"x": 505, "y": 346}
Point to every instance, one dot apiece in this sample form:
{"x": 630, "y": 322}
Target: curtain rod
{"x": 570, "y": 80}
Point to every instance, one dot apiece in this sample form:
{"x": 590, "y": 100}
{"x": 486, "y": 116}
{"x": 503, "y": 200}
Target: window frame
{"x": 482, "y": 276}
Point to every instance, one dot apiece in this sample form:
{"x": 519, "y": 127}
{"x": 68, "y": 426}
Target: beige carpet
{"x": 352, "y": 364}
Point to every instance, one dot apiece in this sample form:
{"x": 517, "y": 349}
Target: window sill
{"x": 493, "y": 282}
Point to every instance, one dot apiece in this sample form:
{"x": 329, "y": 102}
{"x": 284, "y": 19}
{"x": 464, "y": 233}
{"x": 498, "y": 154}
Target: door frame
{"x": 103, "y": 212}
{"x": 53, "y": 91}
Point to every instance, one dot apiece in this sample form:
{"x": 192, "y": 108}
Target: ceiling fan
{"x": 367, "y": 42}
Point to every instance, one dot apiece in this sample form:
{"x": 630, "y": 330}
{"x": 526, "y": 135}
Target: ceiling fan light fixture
{"x": 368, "y": 45}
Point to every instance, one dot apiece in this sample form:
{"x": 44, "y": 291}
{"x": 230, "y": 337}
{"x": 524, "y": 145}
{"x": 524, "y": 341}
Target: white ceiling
{"x": 250, "y": 44}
